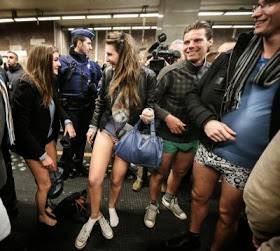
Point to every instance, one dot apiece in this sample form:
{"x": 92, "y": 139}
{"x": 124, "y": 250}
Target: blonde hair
{"x": 39, "y": 69}
{"x": 127, "y": 70}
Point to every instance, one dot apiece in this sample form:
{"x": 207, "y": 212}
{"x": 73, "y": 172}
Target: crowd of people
{"x": 208, "y": 115}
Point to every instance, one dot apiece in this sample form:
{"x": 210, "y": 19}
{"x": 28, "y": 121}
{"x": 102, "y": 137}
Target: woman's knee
{"x": 94, "y": 182}
{"x": 44, "y": 186}
{"x": 116, "y": 181}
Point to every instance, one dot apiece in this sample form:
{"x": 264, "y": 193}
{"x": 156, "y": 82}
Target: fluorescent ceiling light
{"x": 73, "y": 17}
{"x": 149, "y": 15}
{"x": 90, "y": 29}
{"x": 122, "y": 28}
{"x": 98, "y": 16}
{"x": 243, "y": 26}
{"x": 25, "y": 19}
{"x": 6, "y": 20}
{"x": 210, "y": 13}
{"x": 48, "y": 18}
{"x": 125, "y": 15}
{"x": 102, "y": 28}
{"x": 238, "y": 13}
{"x": 140, "y": 27}
{"x": 70, "y": 29}
{"x": 222, "y": 26}
{"x": 153, "y": 27}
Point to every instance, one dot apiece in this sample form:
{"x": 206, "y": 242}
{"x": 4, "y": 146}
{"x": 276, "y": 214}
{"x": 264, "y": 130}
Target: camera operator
{"x": 179, "y": 142}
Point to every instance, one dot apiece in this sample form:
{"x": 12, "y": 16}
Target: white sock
{"x": 91, "y": 222}
{"x": 114, "y": 218}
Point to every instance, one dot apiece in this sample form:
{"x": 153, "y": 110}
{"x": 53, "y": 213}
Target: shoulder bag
{"x": 141, "y": 149}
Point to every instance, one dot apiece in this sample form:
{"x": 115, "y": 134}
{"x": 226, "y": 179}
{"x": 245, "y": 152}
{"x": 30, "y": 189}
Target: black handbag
{"x": 139, "y": 149}
{"x": 57, "y": 183}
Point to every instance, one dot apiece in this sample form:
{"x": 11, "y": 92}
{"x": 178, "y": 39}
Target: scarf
{"x": 267, "y": 76}
{"x": 8, "y": 113}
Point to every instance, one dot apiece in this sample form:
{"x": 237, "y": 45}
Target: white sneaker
{"x": 105, "y": 228}
{"x": 83, "y": 236}
{"x": 150, "y": 215}
{"x": 174, "y": 207}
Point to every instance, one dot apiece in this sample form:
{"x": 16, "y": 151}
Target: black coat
{"x": 145, "y": 89}
{"x": 204, "y": 103}
{"x": 32, "y": 120}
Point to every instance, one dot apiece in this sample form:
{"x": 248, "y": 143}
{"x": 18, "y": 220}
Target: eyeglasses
{"x": 263, "y": 6}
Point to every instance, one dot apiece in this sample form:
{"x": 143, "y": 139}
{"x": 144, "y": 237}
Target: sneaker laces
{"x": 151, "y": 213}
{"x": 85, "y": 232}
{"x": 175, "y": 206}
{"x": 104, "y": 224}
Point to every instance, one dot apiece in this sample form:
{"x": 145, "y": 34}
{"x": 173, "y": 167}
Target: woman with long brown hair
{"x": 36, "y": 111}
{"x": 127, "y": 92}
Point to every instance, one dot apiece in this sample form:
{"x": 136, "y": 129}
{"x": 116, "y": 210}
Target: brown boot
{"x": 137, "y": 185}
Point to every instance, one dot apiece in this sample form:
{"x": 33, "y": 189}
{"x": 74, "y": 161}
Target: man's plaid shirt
{"x": 173, "y": 82}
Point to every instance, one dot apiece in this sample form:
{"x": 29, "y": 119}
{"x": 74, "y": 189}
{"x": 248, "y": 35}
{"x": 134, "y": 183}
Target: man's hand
{"x": 174, "y": 124}
{"x": 218, "y": 131}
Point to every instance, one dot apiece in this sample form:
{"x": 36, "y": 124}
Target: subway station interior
{"x": 23, "y": 24}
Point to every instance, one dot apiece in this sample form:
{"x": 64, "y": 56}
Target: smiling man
{"x": 180, "y": 144}
{"x": 236, "y": 108}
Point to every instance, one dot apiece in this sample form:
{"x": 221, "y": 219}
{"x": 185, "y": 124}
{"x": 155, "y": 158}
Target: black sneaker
{"x": 184, "y": 241}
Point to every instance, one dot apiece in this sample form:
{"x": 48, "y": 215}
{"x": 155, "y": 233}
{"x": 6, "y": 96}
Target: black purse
{"x": 57, "y": 183}
{"x": 140, "y": 149}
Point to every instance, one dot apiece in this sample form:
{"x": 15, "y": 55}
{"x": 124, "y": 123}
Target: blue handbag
{"x": 139, "y": 149}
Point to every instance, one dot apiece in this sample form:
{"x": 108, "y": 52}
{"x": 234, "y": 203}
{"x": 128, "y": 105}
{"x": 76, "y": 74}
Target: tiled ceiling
{"x": 24, "y": 8}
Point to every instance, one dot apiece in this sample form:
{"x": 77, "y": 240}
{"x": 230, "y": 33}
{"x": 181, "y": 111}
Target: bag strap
{"x": 152, "y": 126}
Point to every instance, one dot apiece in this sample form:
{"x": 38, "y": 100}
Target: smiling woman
{"x": 127, "y": 89}
{"x": 36, "y": 112}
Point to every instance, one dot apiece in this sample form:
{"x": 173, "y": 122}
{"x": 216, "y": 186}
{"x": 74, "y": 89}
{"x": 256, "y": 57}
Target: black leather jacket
{"x": 146, "y": 91}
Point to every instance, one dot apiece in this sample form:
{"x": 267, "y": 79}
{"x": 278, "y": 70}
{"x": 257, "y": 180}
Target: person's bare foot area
{"x": 47, "y": 220}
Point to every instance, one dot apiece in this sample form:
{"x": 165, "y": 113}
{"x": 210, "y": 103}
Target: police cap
{"x": 84, "y": 32}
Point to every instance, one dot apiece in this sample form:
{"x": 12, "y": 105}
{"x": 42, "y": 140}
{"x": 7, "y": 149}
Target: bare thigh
{"x": 101, "y": 155}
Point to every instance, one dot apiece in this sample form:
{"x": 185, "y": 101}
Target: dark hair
{"x": 201, "y": 24}
{"x": 78, "y": 38}
{"x": 16, "y": 55}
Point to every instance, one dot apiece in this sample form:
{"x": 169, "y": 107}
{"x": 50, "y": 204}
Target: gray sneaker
{"x": 83, "y": 236}
{"x": 105, "y": 228}
{"x": 174, "y": 207}
{"x": 150, "y": 215}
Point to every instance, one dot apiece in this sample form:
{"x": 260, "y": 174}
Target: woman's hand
{"x": 69, "y": 128}
{"x": 90, "y": 136}
{"x": 147, "y": 115}
{"x": 48, "y": 163}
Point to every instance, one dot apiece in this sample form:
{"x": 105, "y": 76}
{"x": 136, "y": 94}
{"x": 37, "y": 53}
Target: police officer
{"x": 78, "y": 79}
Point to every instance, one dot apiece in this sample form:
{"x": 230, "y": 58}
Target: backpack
{"x": 72, "y": 206}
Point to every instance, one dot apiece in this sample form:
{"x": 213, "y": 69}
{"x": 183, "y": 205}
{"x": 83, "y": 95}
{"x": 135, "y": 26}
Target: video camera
{"x": 161, "y": 53}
